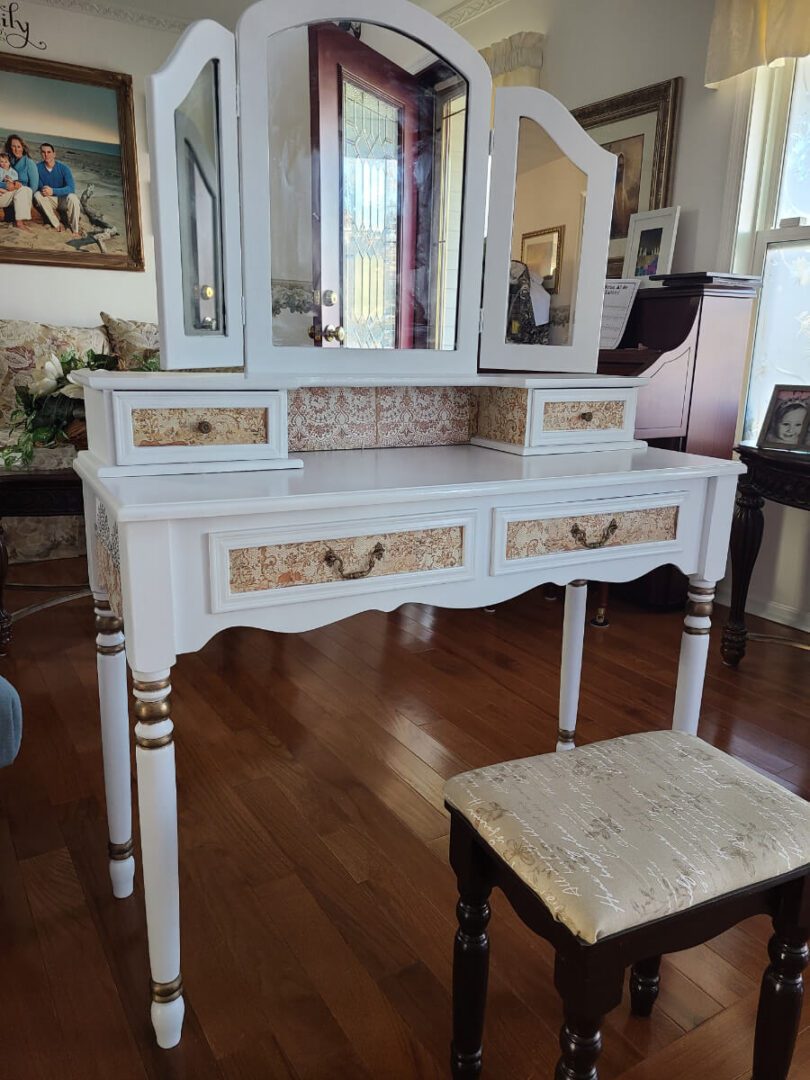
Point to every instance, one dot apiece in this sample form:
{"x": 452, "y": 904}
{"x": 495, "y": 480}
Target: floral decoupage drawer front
{"x": 199, "y": 427}
{"x": 560, "y": 533}
{"x": 258, "y": 568}
{"x": 169, "y": 426}
{"x": 583, "y": 415}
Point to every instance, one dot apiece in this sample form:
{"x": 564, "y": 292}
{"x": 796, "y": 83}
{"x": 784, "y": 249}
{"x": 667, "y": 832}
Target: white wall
{"x": 595, "y": 50}
{"x": 74, "y": 297}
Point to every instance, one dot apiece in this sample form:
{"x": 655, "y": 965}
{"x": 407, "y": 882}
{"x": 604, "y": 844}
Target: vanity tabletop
{"x": 357, "y": 477}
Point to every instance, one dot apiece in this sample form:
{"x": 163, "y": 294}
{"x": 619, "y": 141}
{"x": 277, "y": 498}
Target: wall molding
{"x": 131, "y": 16}
{"x": 783, "y": 614}
{"x": 468, "y": 10}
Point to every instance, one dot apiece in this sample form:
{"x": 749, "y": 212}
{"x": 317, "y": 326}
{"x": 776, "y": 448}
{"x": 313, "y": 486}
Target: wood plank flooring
{"x": 317, "y": 903}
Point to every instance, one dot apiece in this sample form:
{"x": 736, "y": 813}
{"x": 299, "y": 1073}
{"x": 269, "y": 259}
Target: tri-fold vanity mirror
{"x": 344, "y": 205}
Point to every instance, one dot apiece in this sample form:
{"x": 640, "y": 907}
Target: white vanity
{"x": 402, "y": 418}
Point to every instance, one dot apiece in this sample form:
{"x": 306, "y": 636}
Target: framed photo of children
{"x": 787, "y": 421}
{"x": 68, "y": 166}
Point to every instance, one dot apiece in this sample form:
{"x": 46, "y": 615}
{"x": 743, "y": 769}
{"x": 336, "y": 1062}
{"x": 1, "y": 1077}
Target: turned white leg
{"x": 576, "y": 595}
{"x": 114, "y": 708}
{"x": 694, "y": 654}
{"x": 157, "y": 811}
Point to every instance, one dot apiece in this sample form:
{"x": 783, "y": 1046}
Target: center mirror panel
{"x": 550, "y": 196}
{"x": 367, "y": 152}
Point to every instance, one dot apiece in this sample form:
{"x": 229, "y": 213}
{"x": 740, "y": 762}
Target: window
{"x": 775, "y": 239}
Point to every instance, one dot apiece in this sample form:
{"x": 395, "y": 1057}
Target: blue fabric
{"x": 60, "y": 178}
{"x": 27, "y": 172}
{"x": 10, "y": 722}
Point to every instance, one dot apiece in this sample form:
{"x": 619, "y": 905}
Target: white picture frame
{"x": 651, "y": 243}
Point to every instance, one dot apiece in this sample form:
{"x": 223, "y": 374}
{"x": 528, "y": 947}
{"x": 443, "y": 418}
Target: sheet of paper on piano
{"x": 619, "y": 296}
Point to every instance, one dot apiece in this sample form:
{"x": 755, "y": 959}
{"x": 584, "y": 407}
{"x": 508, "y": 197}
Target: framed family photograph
{"x": 542, "y": 252}
{"x": 639, "y": 128}
{"x": 787, "y": 421}
{"x": 68, "y": 166}
{"x": 651, "y": 243}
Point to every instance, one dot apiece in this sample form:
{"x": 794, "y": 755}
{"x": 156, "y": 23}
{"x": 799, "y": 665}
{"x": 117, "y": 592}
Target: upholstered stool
{"x": 619, "y": 852}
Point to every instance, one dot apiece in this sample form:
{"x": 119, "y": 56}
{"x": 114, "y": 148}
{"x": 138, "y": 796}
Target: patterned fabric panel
{"x": 108, "y": 558}
{"x": 358, "y": 417}
{"x": 130, "y": 340}
{"x": 502, "y": 414}
{"x": 199, "y": 427}
{"x": 279, "y": 566}
{"x": 568, "y": 415}
{"x": 619, "y": 833}
{"x": 331, "y": 418}
{"x": 528, "y": 539}
{"x": 423, "y": 415}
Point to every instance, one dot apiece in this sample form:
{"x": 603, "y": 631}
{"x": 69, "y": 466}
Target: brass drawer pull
{"x": 332, "y": 559}
{"x": 586, "y": 416}
{"x": 581, "y": 537}
{"x": 204, "y": 427}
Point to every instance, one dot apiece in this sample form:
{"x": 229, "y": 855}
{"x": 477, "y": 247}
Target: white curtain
{"x": 517, "y": 60}
{"x": 752, "y": 33}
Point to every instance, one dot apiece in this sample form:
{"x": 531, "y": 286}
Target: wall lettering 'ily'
{"x": 16, "y": 31}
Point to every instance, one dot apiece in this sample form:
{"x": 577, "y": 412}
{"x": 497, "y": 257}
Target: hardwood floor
{"x": 317, "y": 904}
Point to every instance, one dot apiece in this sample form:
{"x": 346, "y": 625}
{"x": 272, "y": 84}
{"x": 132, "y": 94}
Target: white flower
{"x": 45, "y": 380}
{"x": 72, "y": 390}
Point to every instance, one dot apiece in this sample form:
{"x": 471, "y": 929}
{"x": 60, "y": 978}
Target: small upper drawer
{"x": 180, "y": 427}
{"x": 588, "y": 415}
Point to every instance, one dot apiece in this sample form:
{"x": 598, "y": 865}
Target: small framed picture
{"x": 650, "y": 243}
{"x": 787, "y": 421}
{"x": 542, "y": 252}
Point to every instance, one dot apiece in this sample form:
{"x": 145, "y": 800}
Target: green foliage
{"x": 41, "y": 419}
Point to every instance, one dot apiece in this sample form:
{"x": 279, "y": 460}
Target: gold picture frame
{"x": 104, "y": 166}
{"x": 640, "y": 128}
{"x": 542, "y": 255}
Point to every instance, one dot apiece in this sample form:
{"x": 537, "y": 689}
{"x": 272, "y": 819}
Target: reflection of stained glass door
{"x": 365, "y": 120}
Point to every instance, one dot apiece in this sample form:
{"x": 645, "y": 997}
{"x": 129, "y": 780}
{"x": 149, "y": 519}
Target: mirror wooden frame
{"x": 511, "y": 105}
{"x": 254, "y": 28}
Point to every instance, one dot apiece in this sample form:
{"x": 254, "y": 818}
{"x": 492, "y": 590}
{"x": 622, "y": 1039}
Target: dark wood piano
{"x": 690, "y": 337}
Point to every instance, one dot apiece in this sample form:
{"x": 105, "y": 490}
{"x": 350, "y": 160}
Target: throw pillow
{"x": 129, "y": 340}
{"x": 26, "y": 345}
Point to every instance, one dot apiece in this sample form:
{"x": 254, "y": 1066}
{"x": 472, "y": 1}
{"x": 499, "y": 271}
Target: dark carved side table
{"x": 783, "y": 477}
{"x": 35, "y": 493}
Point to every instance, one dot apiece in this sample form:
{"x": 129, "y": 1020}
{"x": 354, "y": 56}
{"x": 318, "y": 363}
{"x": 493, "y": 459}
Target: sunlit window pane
{"x": 782, "y": 347}
{"x": 794, "y": 195}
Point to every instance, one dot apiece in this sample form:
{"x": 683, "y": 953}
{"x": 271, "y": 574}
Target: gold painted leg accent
{"x": 119, "y": 852}
{"x": 152, "y": 706}
{"x": 564, "y": 736}
{"x": 163, "y": 993}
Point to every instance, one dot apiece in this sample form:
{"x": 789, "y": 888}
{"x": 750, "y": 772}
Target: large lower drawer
{"x": 168, "y": 427}
{"x": 600, "y": 529}
{"x": 284, "y": 565}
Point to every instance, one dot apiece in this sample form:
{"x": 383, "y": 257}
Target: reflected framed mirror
{"x": 192, "y": 113}
{"x": 374, "y": 144}
{"x": 550, "y": 198}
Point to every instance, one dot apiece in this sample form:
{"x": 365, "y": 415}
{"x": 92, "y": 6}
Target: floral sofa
{"x": 24, "y": 347}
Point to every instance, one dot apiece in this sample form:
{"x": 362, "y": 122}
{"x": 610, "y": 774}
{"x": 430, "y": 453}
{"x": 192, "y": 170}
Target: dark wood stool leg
{"x": 587, "y": 996}
{"x": 470, "y": 956}
{"x": 581, "y": 1044}
{"x": 746, "y": 538}
{"x": 645, "y": 982}
{"x": 780, "y": 1004}
{"x": 5, "y": 618}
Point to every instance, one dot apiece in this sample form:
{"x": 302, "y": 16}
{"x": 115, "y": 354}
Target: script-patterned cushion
{"x": 27, "y": 345}
{"x": 130, "y": 340}
{"x": 619, "y": 833}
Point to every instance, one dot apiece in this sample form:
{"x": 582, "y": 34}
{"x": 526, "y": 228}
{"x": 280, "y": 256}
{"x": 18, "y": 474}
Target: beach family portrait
{"x": 68, "y": 174}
